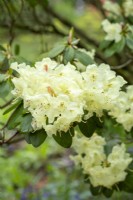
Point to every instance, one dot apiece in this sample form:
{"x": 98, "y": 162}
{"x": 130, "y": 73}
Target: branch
{"x": 33, "y": 30}
{"x": 6, "y": 104}
{"x": 123, "y": 65}
{"x": 12, "y": 140}
{"x": 9, "y": 140}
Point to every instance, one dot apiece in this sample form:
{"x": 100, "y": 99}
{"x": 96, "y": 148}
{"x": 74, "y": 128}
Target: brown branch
{"x": 33, "y": 30}
{"x": 12, "y": 139}
{"x": 6, "y": 104}
{"x": 9, "y": 140}
{"x": 12, "y": 142}
{"x": 123, "y": 65}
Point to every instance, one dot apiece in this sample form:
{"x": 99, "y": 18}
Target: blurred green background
{"x": 29, "y": 173}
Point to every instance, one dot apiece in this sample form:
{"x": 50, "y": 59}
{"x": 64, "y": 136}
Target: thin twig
{"x": 123, "y": 65}
{"x": 9, "y": 140}
{"x": 6, "y": 104}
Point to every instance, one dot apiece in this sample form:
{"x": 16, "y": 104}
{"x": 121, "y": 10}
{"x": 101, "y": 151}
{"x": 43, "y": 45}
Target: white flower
{"x": 122, "y": 110}
{"x": 128, "y": 7}
{"x": 102, "y": 170}
{"x": 52, "y": 93}
{"x": 113, "y": 31}
{"x": 102, "y": 88}
{"x": 114, "y": 8}
{"x": 90, "y": 152}
{"x": 58, "y": 95}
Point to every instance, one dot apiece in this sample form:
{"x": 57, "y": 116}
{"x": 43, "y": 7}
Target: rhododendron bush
{"x": 69, "y": 97}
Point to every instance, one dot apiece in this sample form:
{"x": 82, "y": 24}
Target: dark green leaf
{"x": 115, "y": 48}
{"x": 26, "y": 123}
{"x": 58, "y": 49}
{"x": 5, "y": 89}
{"x": 86, "y": 178}
{"x": 68, "y": 54}
{"x": 95, "y": 190}
{"x": 27, "y": 137}
{"x": 107, "y": 192}
{"x": 127, "y": 184}
{"x": 38, "y": 137}
{"x": 104, "y": 44}
{"x": 84, "y": 58}
{"x": 15, "y": 117}
{"x": 32, "y": 3}
{"x": 12, "y": 107}
{"x": 121, "y": 45}
{"x": 2, "y": 48}
{"x": 64, "y": 139}
{"x": 109, "y": 52}
{"x": 17, "y": 49}
{"x": 2, "y": 57}
{"x": 88, "y": 127}
{"x": 129, "y": 42}
{"x": 4, "y": 65}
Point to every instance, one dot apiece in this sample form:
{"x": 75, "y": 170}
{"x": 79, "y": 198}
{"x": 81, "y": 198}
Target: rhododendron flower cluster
{"x": 112, "y": 7}
{"x": 115, "y": 8}
{"x": 101, "y": 89}
{"x": 128, "y": 7}
{"x": 113, "y": 30}
{"x": 123, "y": 108}
{"x": 102, "y": 170}
{"x": 115, "y": 27}
{"x": 52, "y": 93}
{"x": 58, "y": 95}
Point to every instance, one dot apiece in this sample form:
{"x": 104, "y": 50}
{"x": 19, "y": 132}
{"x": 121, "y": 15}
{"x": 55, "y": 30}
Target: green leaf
{"x": 32, "y": 3}
{"x": 38, "y": 137}
{"x": 58, "y": 49}
{"x": 127, "y": 184}
{"x": 121, "y": 45}
{"x": 64, "y": 139}
{"x": 3, "y": 77}
{"x": 5, "y": 89}
{"x": 109, "y": 52}
{"x": 88, "y": 127}
{"x": 2, "y": 48}
{"x": 15, "y": 118}
{"x": 2, "y": 57}
{"x": 4, "y": 66}
{"x": 84, "y": 58}
{"x": 12, "y": 107}
{"x": 68, "y": 54}
{"x": 27, "y": 137}
{"x": 95, "y": 190}
{"x": 104, "y": 44}
{"x": 129, "y": 43}
{"x": 115, "y": 48}
{"x": 107, "y": 192}
{"x": 86, "y": 178}
{"x": 17, "y": 49}
{"x": 26, "y": 123}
